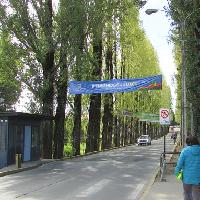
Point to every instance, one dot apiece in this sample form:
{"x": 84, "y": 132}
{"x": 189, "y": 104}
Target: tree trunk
{"x": 144, "y": 124}
{"x": 78, "y": 98}
{"x": 60, "y": 122}
{"x": 105, "y": 121}
{"x": 136, "y": 129}
{"x": 61, "y": 106}
{"x": 141, "y": 128}
{"x": 122, "y": 131}
{"x": 109, "y": 64}
{"x": 132, "y": 131}
{"x": 110, "y": 124}
{"x": 126, "y": 131}
{"x": 115, "y": 130}
{"x": 77, "y": 124}
{"x": 93, "y": 132}
{"x": 48, "y": 79}
{"x": 48, "y": 94}
{"x": 119, "y": 132}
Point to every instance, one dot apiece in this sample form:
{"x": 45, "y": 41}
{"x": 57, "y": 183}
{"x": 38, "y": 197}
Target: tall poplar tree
{"x": 34, "y": 32}
{"x": 10, "y": 67}
{"x": 186, "y": 29}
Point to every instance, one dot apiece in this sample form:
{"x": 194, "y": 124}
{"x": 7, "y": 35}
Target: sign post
{"x": 164, "y": 120}
{"x": 164, "y": 116}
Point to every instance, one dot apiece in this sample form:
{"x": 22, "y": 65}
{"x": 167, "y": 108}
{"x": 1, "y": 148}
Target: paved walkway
{"x": 171, "y": 189}
{"x": 11, "y": 169}
{"x": 168, "y": 189}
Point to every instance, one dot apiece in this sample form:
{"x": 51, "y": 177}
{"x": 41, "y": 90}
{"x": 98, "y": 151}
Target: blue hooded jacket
{"x": 189, "y": 162}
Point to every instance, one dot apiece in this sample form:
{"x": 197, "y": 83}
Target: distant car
{"x": 144, "y": 139}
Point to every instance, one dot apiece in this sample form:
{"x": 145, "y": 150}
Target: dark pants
{"x": 191, "y": 192}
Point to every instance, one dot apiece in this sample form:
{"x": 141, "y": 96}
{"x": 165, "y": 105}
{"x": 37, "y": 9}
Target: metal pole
{"x": 184, "y": 99}
{"x": 184, "y": 124}
{"x": 183, "y": 78}
{"x": 191, "y": 118}
{"x": 164, "y": 146}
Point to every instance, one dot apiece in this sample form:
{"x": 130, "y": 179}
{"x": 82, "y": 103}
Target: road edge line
{"x": 149, "y": 184}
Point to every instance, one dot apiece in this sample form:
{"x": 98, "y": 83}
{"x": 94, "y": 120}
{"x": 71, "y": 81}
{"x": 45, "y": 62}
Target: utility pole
{"x": 191, "y": 118}
{"x": 184, "y": 98}
{"x": 183, "y": 91}
{"x": 183, "y": 76}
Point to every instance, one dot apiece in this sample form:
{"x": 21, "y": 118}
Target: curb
{"x": 14, "y": 171}
{"x": 148, "y": 185}
{"x": 92, "y": 153}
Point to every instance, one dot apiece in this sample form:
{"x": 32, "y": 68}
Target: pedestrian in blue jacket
{"x": 189, "y": 163}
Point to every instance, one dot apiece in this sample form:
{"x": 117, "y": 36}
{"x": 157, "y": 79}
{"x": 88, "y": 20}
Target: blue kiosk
{"x": 20, "y": 133}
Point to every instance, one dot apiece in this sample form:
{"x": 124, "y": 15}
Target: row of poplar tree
{"x": 186, "y": 37}
{"x": 46, "y": 43}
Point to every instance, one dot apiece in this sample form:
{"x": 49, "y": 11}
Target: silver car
{"x": 144, "y": 139}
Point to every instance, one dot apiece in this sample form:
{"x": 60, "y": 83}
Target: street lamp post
{"x": 192, "y": 119}
{"x": 183, "y": 88}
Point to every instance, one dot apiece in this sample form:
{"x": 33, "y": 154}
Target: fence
{"x": 164, "y": 161}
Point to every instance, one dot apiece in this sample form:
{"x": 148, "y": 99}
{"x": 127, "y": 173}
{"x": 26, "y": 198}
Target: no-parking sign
{"x": 164, "y": 116}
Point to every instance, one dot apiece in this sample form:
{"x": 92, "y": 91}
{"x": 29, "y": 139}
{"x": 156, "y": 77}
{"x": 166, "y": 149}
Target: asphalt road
{"x": 120, "y": 174}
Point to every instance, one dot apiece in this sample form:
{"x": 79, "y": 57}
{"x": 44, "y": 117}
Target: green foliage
{"x": 68, "y": 150}
{"x": 67, "y": 38}
{"x": 187, "y": 12}
{"x": 139, "y": 59}
{"x": 69, "y": 128}
{"x": 9, "y": 70}
{"x": 31, "y": 29}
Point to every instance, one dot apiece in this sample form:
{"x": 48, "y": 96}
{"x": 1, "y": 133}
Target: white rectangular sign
{"x": 164, "y": 116}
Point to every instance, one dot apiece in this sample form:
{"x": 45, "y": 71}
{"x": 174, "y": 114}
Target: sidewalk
{"x": 169, "y": 190}
{"x": 11, "y": 169}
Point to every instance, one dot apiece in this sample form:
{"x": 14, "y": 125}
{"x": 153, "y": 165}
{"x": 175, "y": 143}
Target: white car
{"x": 144, "y": 139}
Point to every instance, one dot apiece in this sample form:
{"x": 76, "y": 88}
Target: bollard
{"x": 163, "y": 171}
{"x": 18, "y": 161}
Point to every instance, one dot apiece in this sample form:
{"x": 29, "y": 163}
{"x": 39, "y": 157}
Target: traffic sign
{"x": 164, "y": 116}
{"x": 127, "y": 113}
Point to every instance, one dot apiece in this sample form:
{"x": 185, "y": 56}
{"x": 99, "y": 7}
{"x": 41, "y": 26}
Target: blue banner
{"x": 115, "y": 85}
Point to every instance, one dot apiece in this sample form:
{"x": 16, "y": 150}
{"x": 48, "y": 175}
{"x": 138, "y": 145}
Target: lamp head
{"x": 142, "y": 3}
{"x": 151, "y": 11}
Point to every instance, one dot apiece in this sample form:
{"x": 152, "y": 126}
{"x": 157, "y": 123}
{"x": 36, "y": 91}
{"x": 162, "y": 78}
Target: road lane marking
{"x": 135, "y": 193}
{"x": 94, "y": 188}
